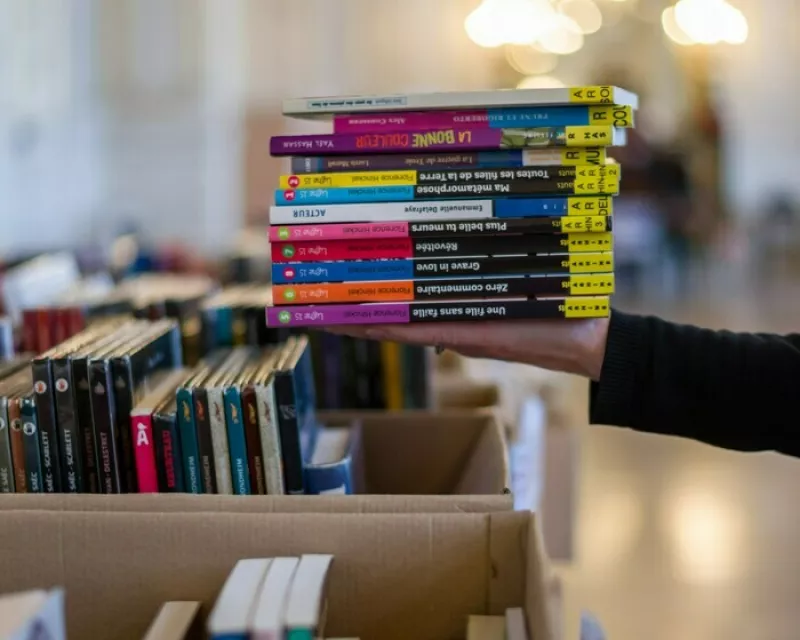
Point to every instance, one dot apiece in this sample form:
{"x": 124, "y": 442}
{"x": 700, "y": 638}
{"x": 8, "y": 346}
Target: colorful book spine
{"x": 237, "y": 443}
{"x": 440, "y": 161}
{"x": 412, "y": 312}
{"x": 550, "y": 116}
{"x": 414, "y": 177}
{"x": 190, "y": 448}
{"x": 443, "y": 289}
{"x": 441, "y": 210}
{"x": 144, "y": 452}
{"x": 453, "y": 229}
{"x": 374, "y": 270}
{"x": 408, "y": 248}
{"x": 448, "y": 140}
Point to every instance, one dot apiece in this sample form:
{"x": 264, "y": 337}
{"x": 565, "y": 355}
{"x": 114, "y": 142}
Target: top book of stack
{"x": 324, "y": 107}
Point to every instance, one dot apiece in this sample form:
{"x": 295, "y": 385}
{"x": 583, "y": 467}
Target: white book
{"x": 497, "y": 98}
{"x": 33, "y": 614}
{"x": 422, "y": 211}
{"x": 267, "y": 408}
{"x": 305, "y": 608}
{"x": 271, "y": 601}
{"x": 486, "y": 628}
{"x": 516, "y": 628}
{"x": 233, "y": 609}
{"x": 173, "y": 621}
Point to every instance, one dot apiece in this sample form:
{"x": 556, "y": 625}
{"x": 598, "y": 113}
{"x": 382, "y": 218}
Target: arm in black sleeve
{"x": 732, "y": 390}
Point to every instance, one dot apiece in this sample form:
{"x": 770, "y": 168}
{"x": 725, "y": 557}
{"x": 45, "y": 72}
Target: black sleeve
{"x": 732, "y": 390}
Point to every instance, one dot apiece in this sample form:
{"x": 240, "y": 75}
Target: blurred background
{"x": 134, "y": 135}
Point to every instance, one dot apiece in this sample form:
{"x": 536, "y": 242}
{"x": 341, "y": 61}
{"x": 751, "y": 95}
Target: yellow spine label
{"x": 600, "y": 94}
{"x": 589, "y": 307}
{"x": 590, "y": 285}
{"x": 596, "y": 156}
{"x": 392, "y": 379}
{"x": 590, "y": 206}
{"x": 357, "y": 179}
{"x": 592, "y": 171}
{"x": 590, "y": 263}
{"x": 582, "y": 242}
{"x": 593, "y": 224}
{"x": 602, "y": 184}
{"x": 614, "y": 115}
{"x": 588, "y": 136}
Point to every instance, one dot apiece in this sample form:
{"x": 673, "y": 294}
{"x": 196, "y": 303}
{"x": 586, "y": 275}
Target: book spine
{"x": 68, "y": 432}
{"x": 270, "y": 438}
{"x": 477, "y": 159}
{"x": 555, "y": 116}
{"x": 86, "y": 431}
{"x": 331, "y": 479}
{"x": 17, "y": 447}
{"x": 438, "y": 211}
{"x": 104, "y": 422}
{"x": 189, "y": 443}
{"x": 169, "y": 465}
{"x": 219, "y": 440}
{"x": 396, "y": 230}
{"x": 237, "y": 443}
{"x": 408, "y": 249}
{"x": 412, "y": 312}
{"x": 412, "y": 177}
{"x": 443, "y": 289}
{"x": 32, "y": 446}
{"x": 255, "y": 457}
{"x": 373, "y": 270}
{"x": 417, "y": 140}
{"x": 144, "y": 450}
{"x": 205, "y": 442}
{"x": 6, "y": 456}
{"x": 122, "y": 377}
{"x": 392, "y": 376}
{"x": 291, "y": 451}
{"x": 50, "y": 477}
{"x": 444, "y": 191}
{"x": 332, "y": 354}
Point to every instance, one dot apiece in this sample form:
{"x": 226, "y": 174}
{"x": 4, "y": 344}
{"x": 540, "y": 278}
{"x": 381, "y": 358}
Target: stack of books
{"x": 451, "y": 206}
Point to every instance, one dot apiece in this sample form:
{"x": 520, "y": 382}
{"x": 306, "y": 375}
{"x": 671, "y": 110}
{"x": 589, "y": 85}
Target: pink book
{"x": 163, "y": 387}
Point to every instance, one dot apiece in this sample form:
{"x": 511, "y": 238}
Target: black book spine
{"x": 376, "y": 391}
{"x": 31, "y": 445}
{"x": 48, "y": 430}
{"x": 204, "y": 442}
{"x": 586, "y": 307}
{"x": 363, "y": 374}
{"x": 169, "y": 462}
{"x": 6, "y": 457}
{"x": 86, "y": 431}
{"x": 122, "y": 377}
{"x": 104, "y": 420}
{"x": 511, "y": 226}
{"x": 289, "y": 428}
{"x": 68, "y": 430}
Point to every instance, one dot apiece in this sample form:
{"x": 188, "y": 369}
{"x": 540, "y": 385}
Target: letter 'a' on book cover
{"x": 231, "y": 617}
{"x": 271, "y": 602}
{"x": 307, "y": 603}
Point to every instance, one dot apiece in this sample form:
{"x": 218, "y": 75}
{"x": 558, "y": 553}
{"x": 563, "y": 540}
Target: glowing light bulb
{"x": 673, "y": 30}
{"x": 585, "y": 13}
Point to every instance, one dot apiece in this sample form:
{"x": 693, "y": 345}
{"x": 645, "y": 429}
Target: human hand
{"x": 571, "y": 346}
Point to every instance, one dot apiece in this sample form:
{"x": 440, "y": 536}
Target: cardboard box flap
{"x": 427, "y": 453}
{"x": 395, "y": 576}
{"x": 187, "y": 503}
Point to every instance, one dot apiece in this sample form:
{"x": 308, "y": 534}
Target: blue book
{"x": 332, "y": 466}
{"x": 237, "y": 443}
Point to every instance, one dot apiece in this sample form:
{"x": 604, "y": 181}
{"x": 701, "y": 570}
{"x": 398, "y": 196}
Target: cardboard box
{"x": 457, "y": 391}
{"x": 394, "y": 577}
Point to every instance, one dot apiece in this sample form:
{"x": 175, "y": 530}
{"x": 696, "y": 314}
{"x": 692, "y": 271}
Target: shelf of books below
{"x": 411, "y": 555}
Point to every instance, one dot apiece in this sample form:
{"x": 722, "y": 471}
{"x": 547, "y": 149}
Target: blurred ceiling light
{"x": 565, "y": 38}
{"x": 585, "y": 13}
{"x": 529, "y": 60}
{"x": 540, "y": 82}
{"x": 497, "y": 22}
{"x": 704, "y": 22}
{"x": 671, "y": 28}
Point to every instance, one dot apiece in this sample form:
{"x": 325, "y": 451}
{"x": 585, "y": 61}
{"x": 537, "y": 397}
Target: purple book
{"x": 438, "y": 140}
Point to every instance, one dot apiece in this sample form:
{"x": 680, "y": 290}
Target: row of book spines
{"x": 415, "y": 177}
{"x": 577, "y": 115}
{"x": 452, "y": 139}
{"x": 43, "y": 328}
{"x": 449, "y": 161}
